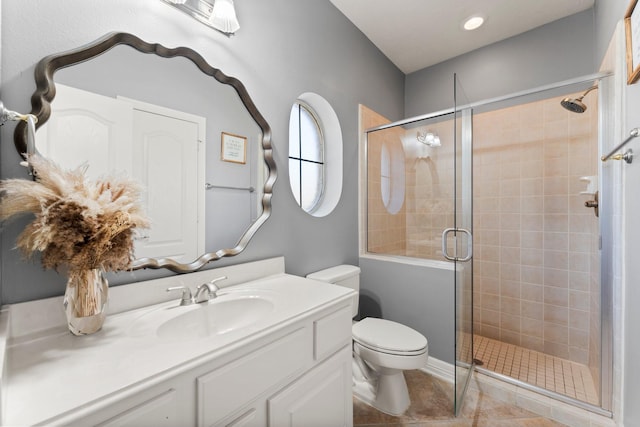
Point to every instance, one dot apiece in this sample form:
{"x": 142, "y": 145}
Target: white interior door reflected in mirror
{"x": 167, "y": 161}
{"x": 160, "y": 147}
{"x": 88, "y": 129}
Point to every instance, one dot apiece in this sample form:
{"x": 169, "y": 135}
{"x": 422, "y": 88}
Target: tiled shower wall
{"x": 386, "y": 232}
{"x": 430, "y": 192}
{"x": 416, "y": 230}
{"x": 535, "y": 241}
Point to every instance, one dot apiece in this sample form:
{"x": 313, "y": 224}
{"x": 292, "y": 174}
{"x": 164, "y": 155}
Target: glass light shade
{"x": 223, "y": 17}
{"x": 178, "y": 1}
{"x": 429, "y": 138}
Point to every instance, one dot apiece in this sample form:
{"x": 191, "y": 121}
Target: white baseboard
{"x": 439, "y": 369}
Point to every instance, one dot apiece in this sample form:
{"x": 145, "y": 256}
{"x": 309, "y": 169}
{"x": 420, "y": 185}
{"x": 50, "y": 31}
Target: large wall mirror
{"x": 189, "y": 133}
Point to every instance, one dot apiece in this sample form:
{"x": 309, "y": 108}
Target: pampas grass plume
{"x": 78, "y": 223}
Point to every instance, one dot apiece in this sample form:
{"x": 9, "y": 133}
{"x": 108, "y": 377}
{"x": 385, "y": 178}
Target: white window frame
{"x": 332, "y": 144}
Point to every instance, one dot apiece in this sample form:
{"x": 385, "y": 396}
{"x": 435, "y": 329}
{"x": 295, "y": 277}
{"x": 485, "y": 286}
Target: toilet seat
{"x": 388, "y": 337}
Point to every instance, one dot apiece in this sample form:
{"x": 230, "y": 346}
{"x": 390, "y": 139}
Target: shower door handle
{"x": 445, "y": 234}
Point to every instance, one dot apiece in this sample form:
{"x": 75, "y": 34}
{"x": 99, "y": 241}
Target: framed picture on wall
{"x": 234, "y": 148}
{"x": 632, "y": 35}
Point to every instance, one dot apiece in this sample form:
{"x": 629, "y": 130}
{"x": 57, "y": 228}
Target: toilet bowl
{"x": 382, "y": 350}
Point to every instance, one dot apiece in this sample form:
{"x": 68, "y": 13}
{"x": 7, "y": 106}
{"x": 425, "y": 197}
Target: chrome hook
{"x": 9, "y": 115}
{"x": 31, "y": 120}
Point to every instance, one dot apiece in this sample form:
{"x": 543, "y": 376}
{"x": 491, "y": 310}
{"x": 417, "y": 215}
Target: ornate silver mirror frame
{"x": 46, "y": 91}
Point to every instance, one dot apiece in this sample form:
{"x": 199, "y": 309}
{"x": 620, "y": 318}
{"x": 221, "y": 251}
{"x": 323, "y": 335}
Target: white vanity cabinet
{"x": 296, "y": 375}
{"x": 284, "y": 383}
{"x": 235, "y": 393}
{"x": 292, "y": 367}
{"x": 320, "y": 398}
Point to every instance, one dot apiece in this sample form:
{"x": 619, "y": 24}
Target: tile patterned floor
{"x": 432, "y": 406}
{"x": 549, "y": 372}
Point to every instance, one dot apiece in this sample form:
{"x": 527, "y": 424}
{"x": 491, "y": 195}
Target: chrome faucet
{"x": 187, "y": 299}
{"x": 207, "y": 291}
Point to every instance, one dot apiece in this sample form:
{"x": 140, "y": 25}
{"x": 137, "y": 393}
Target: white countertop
{"x": 51, "y": 374}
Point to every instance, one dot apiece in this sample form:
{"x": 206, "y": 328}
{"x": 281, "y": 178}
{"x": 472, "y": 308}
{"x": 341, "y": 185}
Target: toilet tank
{"x": 342, "y": 275}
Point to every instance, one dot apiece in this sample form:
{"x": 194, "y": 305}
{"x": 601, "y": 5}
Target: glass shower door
{"x": 457, "y": 243}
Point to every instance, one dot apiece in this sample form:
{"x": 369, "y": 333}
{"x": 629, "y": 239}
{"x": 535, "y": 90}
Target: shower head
{"x": 576, "y": 105}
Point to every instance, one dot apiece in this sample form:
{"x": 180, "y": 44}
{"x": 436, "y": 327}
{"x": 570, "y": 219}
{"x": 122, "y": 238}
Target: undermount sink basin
{"x": 227, "y": 313}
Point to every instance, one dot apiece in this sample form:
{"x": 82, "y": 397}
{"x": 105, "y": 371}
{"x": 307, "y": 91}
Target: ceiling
{"x": 415, "y": 34}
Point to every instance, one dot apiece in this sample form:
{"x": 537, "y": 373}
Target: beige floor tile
{"x": 432, "y": 406}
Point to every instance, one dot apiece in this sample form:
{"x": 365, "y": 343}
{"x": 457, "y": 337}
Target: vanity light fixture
{"x": 223, "y": 17}
{"x": 473, "y": 22}
{"x": 217, "y": 14}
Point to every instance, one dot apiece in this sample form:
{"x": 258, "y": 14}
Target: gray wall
{"x": 284, "y": 48}
{"x": 554, "y": 52}
{"x": 607, "y": 15}
{"x": 416, "y": 296}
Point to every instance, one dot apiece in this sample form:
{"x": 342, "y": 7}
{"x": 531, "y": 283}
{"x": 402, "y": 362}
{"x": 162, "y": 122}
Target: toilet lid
{"x": 387, "y": 335}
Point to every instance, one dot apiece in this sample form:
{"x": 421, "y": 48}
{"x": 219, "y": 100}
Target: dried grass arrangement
{"x": 80, "y": 224}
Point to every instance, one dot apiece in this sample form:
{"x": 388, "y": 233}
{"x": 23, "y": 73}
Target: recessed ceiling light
{"x": 473, "y": 22}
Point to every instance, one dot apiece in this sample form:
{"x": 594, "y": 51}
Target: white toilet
{"x": 382, "y": 349}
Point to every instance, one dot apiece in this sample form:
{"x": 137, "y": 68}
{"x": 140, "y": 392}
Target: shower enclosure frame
{"x": 606, "y": 255}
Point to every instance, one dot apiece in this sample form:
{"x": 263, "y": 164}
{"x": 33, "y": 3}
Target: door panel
{"x": 86, "y": 128}
{"x": 165, "y": 153}
{"x": 463, "y": 242}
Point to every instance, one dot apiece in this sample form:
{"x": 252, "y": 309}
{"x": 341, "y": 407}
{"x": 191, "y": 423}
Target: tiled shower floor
{"x": 533, "y": 367}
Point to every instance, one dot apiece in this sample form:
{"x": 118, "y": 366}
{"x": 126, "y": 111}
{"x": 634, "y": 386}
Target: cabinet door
{"x": 320, "y": 398}
{"x": 161, "y": 410}
{"x": 228, "y": 390}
